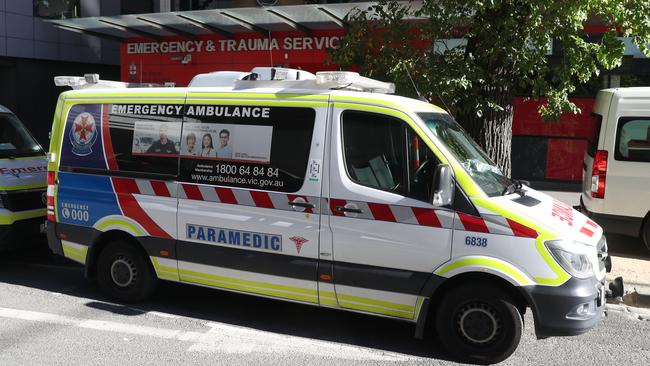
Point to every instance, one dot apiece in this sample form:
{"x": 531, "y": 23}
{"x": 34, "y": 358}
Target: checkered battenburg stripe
{"x": 422, "y": 216}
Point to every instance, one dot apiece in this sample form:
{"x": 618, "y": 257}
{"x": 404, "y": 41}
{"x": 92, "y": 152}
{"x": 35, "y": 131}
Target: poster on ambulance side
{"x": 152, "y": 138}
{"x": 237, "y": 143}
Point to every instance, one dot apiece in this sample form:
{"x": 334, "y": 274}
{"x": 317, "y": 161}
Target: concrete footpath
{"x": 630, "y": 260}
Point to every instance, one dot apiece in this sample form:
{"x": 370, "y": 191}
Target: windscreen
{"x": 15, "y": 140}
{"x": 477, "y": 164}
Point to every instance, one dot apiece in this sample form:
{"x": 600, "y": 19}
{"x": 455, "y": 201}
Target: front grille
{"x": 23, "y": 200}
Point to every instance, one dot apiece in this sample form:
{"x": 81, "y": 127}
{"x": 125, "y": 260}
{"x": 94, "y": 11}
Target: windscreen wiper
{"x": 516, "y": 187}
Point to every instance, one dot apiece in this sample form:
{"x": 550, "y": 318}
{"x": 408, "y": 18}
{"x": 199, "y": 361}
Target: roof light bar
{"x": 71, "y": 81}
{"x": 218, "y": 78}
{"x": 353, "y": 81}
{"x": 88, "y": 81}
{"x": 280, "y": 73}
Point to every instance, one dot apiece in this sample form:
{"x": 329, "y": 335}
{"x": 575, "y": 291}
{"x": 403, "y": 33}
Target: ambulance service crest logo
{"x": 299, "y": 241}
{"x": 83, "y": 134}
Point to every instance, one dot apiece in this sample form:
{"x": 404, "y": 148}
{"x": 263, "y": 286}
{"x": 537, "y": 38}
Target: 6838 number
{"x": 476, "y": 241}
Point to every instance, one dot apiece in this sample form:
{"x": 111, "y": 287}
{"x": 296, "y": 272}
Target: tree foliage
{"x": 473, "y": 56}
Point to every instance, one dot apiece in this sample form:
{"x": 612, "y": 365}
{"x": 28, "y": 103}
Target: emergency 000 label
{"x": 75, "y": 212}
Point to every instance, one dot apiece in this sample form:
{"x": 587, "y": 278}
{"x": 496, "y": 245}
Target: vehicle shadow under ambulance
{"x": 38, "y": 269}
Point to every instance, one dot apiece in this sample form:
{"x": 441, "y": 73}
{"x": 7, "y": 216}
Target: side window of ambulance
{"x": 633, "y": 139}
{"x": 130, "y": 139}
{"x": 145, "y": 138}
{"x": 382, "y": 152}
{"x": 265, "y": 148}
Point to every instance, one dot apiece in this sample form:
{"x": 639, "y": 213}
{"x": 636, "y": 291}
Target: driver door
{"x": 387, "y": 235}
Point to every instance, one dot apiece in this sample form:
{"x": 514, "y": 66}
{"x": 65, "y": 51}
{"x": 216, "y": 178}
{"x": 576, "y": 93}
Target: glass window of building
{"x": 136, "y": 6}
{"x": 56, "y": 9}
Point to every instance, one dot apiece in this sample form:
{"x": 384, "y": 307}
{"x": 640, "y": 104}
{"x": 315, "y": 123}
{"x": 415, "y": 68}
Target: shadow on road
{"x": 39, "y": 269}
{"x": 627, "y": 246}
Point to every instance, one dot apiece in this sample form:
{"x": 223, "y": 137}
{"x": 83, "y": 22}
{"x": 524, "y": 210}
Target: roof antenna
{"x": 423, "y": 98}
{"x": 420, "y": 95}
{"x": 414, "y": 86}
{"x": 270, "y": 49}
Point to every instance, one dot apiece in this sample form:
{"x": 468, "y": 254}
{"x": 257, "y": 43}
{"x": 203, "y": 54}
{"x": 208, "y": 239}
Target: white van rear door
{"x": 628, "y": 171}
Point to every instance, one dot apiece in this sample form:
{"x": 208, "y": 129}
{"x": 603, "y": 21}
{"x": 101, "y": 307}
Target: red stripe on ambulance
{"x": 160, "y": 188}
{"x": 192, "y": 192}
{"x": 381, "y": 212}
{"x": 124, "y": 189}
{"x": 261, "y": 199}
{"x": 226, "y": 195}
{"x": 426, "y": 217}
{"x": 473, "y": 223}
{"x": 522, "y": 230}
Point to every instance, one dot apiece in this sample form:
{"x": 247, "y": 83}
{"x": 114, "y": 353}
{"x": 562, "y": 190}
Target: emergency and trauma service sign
{"x": 177, "y": 60}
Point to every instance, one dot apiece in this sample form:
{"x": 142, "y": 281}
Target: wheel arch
{"x": 102, "y": 241}
{"x": 437, "y": 288}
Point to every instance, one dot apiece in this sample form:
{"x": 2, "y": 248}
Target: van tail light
{"x": 599, "y": 174}
{"x": 50, "y": 196}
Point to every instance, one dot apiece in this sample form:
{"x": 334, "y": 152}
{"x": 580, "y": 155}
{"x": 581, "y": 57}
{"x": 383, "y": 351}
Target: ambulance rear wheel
{"x": 124, "y": 273}
{"x": 479, "y": 324}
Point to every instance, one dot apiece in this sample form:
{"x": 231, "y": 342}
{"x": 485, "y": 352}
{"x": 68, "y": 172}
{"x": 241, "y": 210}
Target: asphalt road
{"x": 50, "y": 315}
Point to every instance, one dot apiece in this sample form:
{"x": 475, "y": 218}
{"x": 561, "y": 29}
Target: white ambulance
{"x": 319, "y": 189}
{"x": 22, "y": 184}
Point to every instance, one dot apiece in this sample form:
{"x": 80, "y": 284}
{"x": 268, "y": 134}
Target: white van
{"x": 23, "y": 170}
{"x": 318, "y": 189}
{"x": 616, "y": 176}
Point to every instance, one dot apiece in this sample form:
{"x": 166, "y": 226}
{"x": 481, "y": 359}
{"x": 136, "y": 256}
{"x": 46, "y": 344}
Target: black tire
{"x": 124, "y": 272}
{"x": 479, "y": 324}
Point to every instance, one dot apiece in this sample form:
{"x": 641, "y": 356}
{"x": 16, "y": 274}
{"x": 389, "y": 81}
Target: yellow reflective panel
{"x": 490, "y": 263}
{"x": 9, "y": 219}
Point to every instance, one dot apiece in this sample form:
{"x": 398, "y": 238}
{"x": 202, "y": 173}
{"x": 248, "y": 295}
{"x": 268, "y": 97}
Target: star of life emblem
{"x": 299, "y": 241}
{"x": 83, "y": 134}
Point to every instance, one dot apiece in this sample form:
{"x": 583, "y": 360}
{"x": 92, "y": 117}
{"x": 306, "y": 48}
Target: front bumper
{"x": 21, "y": 233}
{"x": 570, "y": 309}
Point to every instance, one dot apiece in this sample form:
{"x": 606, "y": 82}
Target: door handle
{"x": 349, "y": 209}
{"x": 301, "y": 204}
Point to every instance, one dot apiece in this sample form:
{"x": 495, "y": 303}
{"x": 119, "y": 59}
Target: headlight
{"x": 576, "y": 264}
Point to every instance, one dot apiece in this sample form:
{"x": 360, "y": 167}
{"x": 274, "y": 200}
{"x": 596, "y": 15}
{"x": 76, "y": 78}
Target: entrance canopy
{"x": 224, "y": 22}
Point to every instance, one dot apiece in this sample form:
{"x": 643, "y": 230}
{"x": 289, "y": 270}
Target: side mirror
{"x": 443, "y": 186}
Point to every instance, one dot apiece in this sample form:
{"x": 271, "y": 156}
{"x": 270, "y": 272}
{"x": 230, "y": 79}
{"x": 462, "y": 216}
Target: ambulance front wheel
{"x": 479, "y": 324}
{"x": 124, "y": 273}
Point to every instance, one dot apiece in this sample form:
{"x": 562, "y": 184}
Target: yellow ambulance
{"x": 323, "y": 189}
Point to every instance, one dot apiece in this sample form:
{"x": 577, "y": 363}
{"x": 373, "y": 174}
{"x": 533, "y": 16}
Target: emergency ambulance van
{"x": 319, "y": 189}
{"x": 22, "y": 184}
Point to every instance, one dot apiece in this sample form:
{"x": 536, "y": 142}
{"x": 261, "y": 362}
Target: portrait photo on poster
{"x": 243, "y": 143}
{"x": 152, "y": 138}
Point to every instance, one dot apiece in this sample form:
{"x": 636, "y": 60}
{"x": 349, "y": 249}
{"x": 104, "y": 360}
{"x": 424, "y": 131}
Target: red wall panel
{"x": 528, "y": 122}
{"x": 564, "y": 159}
